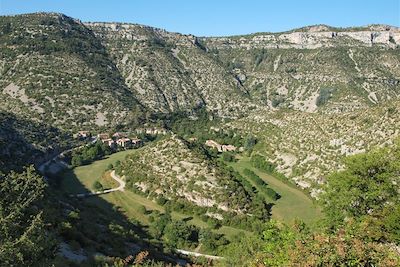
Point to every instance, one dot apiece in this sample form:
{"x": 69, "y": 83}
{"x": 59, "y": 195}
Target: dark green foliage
{"x": 254, "y": 177}
{"x": 229, "y": 157}
{"x": 260, "y": 56}
{"x": 277, "y": 100}
{"x": 142, "y": 209}
{"x": 250, "y": 142}
{"x": 24, "y": 141}
{"x": 88, "y": 154}
{"x": 200, "y": 44}
{"x": 180, "y": 234}
{"x": 261, "y": 184}
{"x": 23, "y": 241}
{"x": 161, "y": 201}
{"x": 97, "y": 186}
{"x": 272, "y": 194}
{"x": 367, "y": 190}
{"x": 324, "y": 95}
{"x": 199, "y": 128}
{"x": 211, "y": 241}
{"x": 259, "y": 162}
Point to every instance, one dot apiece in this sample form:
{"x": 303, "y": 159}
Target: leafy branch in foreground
{"x": 23, "y": 239}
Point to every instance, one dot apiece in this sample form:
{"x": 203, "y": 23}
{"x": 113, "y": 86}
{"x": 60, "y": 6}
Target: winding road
{"x": 116, "y": 177}
{"x": 195, "y": 254}
{"x": 121, "y": 188}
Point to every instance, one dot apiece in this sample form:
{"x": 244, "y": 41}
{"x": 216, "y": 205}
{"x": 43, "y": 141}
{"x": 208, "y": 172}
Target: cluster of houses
{"x": 118, "y": 139}
{"x": 220, "y": 148}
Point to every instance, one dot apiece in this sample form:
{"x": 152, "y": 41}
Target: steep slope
{"x": 336, "y": 74}
{"x": 174, "y": 169}
{"x": 53, "y": 69}
{"x": 309, "y": 69}
{"x": 170, "y": 71}
{"x": 306, "y": 147}
{"x": 23, "y": 141}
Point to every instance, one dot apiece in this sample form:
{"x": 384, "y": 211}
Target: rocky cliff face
{"x": 171, "y": 72}
{"x": 313, "y": 37}
{"x": 53, "y": 69}
{"x": 106, "y": 70}
{"x": 285, "y": 87}
{"x": 353, "y": 67}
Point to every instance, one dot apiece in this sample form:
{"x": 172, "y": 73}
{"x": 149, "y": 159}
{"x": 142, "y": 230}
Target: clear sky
{"x": 219, "y": 17}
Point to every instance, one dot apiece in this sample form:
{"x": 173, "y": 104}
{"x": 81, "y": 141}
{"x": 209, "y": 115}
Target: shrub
{"x": 97, "y": 186}
{"x": 324, "y": 95}
{"x": 142, "y": 209}
{"x": 259, "y": 162}
{"x": 229, "y": 157}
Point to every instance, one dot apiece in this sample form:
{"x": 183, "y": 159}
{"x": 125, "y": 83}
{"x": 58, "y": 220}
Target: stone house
{"x": 82, "y": 134}
{"x": 110, "y": 142}
{"x": 103, "y": 136}
{"x": 124, "y": 142}
{"x": 228, "y": 148}
{"x": 136, "y": 142}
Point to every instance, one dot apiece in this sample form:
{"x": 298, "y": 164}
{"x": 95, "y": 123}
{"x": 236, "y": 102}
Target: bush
{"x": 110, "y": 167}
{"x": 254, "y": 177}
{"x": 161, "y": 201}
{"x": 229, "y": 157}
{"x": 142, "y": 209}
{"x": 324, "y": 95}
{"x": 272, "y": 194}
{"x": 97, "y": 186}
{"x": 262, "y": 185}
{"x": 259, "y": 162}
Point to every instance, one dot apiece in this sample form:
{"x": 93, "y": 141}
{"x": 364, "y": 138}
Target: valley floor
{"x": 293, "y": 202}
{"x": 80, "y": 180}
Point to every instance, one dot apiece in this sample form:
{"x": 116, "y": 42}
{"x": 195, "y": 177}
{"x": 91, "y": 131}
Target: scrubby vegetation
{"x": 260, "y": 163}
{"x": 293, "y": 114}
{"x": 23, "y": 141}
{"x": 89, "y": 153}
{"x": 358, "y": 228}
{"x": 22, "y": 238}
{"x": 261, "y": 184}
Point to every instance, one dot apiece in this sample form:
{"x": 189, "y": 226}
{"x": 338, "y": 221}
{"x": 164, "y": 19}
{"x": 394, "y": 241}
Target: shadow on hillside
{"x": 22, "y": 142}
{"x": 103, "y": 228}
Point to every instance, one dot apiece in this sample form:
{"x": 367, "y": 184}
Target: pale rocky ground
{"x": 308, "y": 146}
{"x": 169, "y": 168}
{"x": 268, "y": 83}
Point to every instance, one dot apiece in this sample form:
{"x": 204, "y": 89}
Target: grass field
{"x": 293, "y": 202}
{"x": 88, "y": 174}
{"x": 82, "y": 178}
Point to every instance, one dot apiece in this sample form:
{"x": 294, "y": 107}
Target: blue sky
{"x": 219, "y": 17}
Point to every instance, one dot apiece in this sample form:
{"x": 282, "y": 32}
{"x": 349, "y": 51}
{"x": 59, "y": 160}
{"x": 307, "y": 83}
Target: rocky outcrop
{"x": 314, "y": 37}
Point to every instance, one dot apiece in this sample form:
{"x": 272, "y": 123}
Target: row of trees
{"x": 361, "y": 226}
{"x": 259, "y": 162}
{"x": 261, "y": 184}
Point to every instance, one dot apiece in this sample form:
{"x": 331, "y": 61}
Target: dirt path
{"x": 195, "y": 254}
{"x": 116, "y": 177}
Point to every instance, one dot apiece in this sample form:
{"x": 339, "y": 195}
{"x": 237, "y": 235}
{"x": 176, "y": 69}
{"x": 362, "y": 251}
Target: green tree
{"x": 97, "y": 186}
{"x": 24, "y": 240}
{"x": 177, "y": 234}
{"x": 368, "y": 186}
